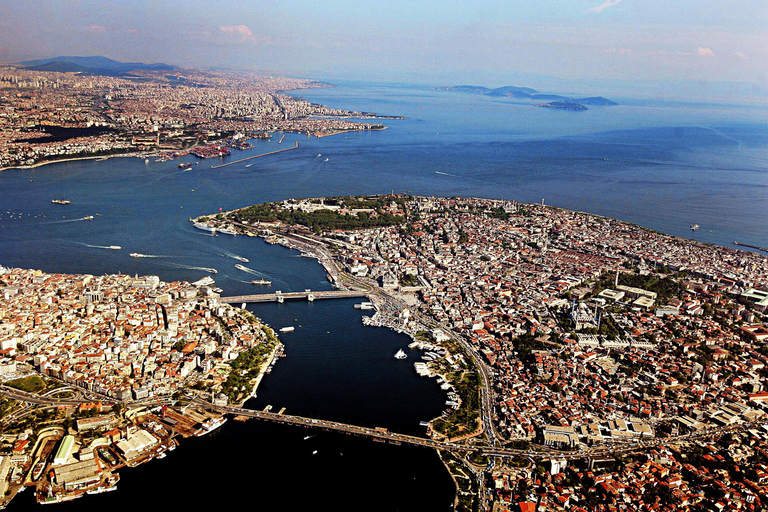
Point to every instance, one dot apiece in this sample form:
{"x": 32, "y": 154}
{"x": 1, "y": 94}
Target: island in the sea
{"x": 526, "y": 93}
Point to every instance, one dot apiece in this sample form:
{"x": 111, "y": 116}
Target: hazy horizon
{"x": 707, "y": 50}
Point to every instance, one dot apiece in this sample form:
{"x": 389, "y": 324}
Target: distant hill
{"x": 596, "y": 100}
{"x": 511, "y": 91}
{"x": 92, "y": 66}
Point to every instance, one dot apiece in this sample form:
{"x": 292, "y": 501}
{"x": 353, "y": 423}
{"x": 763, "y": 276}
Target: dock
{"x": 255, "y": 156}
{"x": 272, "y": 297}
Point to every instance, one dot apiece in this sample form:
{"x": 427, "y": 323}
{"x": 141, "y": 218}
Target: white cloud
{"x": 229, "y": 34}
{"x": 242, "y": 31}
{"x": 706, "y": 52}
{"x": 605, "y": 5}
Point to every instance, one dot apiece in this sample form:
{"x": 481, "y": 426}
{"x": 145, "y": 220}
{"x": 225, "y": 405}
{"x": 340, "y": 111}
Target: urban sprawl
{"x": 588, "y": 363}
{"x": 632, "y": 362}
{"x": 160, "y": 112}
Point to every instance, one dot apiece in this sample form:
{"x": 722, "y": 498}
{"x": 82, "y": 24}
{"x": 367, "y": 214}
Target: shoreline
{"x": 331, "y": 272}
{"x": 75, "y": 159}
{"x": 320, "y": 135}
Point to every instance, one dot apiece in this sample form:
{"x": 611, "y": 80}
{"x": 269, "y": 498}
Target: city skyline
{"x": 712, "y": 51}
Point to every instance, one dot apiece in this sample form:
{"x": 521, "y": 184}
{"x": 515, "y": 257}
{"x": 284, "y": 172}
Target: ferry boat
{"x": 242, "y": 267}
{"x": 87, "y": 217}
{"x": 240, "y": 258}
{"x": 198, "y": 225}
{"x": 228, "y": 231}
{"x": 61, "y": 201}
{"x": 138, "y": 255}
{"x": 115, "y": 247}
{"x": 185, "y": 165}
{"x": 694, "y": 227}
{"x": 287, "y": 329}
{"x": 211, "y": 425}
{"x": 261, "y": 281}
{"x": 400, "y": 354}
{"x": 206, "y": 281}
{"x": 364, "y": 305}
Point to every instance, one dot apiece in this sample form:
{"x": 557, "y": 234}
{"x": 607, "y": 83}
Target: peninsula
{"x": 607, "y": 353}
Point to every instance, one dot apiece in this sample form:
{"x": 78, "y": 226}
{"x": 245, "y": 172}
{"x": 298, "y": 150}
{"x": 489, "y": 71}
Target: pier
{"x": 272, "y": 297}
{"x": 255, "y": 156}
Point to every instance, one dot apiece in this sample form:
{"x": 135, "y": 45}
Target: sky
{"x": 694, "y": 42}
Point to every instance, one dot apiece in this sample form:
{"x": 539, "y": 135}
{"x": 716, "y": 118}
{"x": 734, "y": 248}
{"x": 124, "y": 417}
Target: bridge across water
{"x": 272, "y": 297}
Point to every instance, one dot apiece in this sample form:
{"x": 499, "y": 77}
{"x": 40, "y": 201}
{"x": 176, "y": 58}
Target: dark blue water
{"x": 665, "y": 168}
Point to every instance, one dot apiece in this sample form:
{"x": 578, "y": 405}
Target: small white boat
{"x": 400, "y": 354}
{"x": 287, "y": 329}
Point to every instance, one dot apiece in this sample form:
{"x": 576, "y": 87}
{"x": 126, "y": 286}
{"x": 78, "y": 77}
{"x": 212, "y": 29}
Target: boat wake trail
{"x": 446, "y": 174}
{"x": 113, "y": 247}
{"x": 66, "y": 220}
{"x": 249, "y": 270}
{"x": 235, "y": 257}
{"x": 190, "y": 267}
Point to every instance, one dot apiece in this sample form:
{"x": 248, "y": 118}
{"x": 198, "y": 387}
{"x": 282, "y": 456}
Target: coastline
{"x": 335, "y": 278}
{"x": 320, "y": 135}
{"x": 75, "y": 159}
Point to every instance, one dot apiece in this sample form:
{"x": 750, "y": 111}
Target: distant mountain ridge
{"x": 102, "y": 66}
{"x": 529, "y": 94}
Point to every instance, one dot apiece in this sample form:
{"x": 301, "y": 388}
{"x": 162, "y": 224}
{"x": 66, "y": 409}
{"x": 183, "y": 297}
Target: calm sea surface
{"x": 665, "y": 167}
